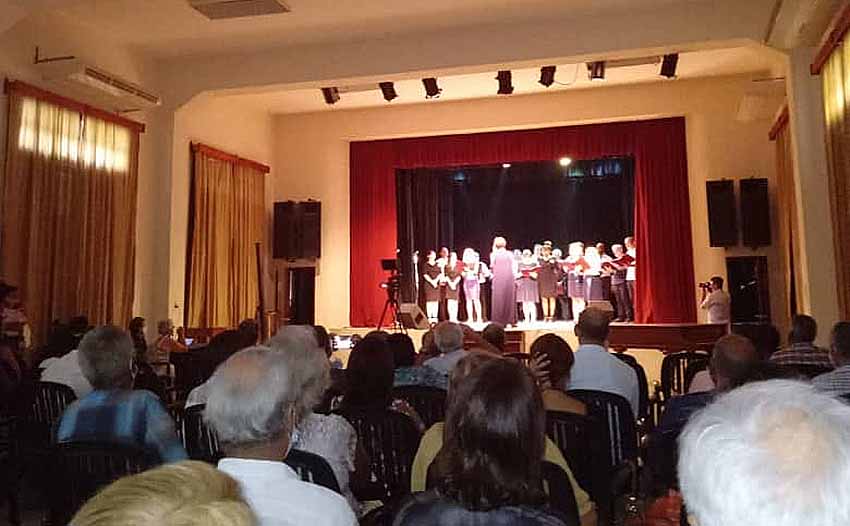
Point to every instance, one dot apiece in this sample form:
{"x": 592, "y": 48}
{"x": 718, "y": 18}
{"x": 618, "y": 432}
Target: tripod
{"x": 392, "y": 306}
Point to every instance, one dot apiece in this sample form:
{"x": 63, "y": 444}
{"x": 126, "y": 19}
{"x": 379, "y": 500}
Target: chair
{"x": 312, "y": 468}
{"x": 562, "y": 498}
{"x": 674, "y": 371}
{"x": 200, "y": 441}
{"x": 643, "y": 384}
{"x": 429, "y": 402}
{"x": 694, "y": 367}
{"x": 37, "y": 428}
{"x": 189, "y": 372}
{"x": 580, "y": 440}
{"x": 391, "y": 441}
{"x": 80, "y": 469}
{"x": 845, "y": 398}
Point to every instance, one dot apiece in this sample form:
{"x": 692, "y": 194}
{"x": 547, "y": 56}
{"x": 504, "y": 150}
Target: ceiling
{"x": 171, "y": 29}
{"x": 717, "y": 62}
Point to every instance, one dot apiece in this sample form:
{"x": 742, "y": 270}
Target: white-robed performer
{"x": 432, "y": 274}
{"x": 574, "y": 266}
{"x": 593, "y": 275}
{"x": 631, "y": 272}
{"x": 474, "y": 274}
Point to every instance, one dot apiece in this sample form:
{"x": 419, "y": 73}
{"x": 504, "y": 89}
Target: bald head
{"x": 733, "y": 361}
{"x": 592, "y": 326}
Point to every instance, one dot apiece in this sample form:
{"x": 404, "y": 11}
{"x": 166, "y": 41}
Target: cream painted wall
{"x": 223, "y": 124}
{"x": 311, "y": 156}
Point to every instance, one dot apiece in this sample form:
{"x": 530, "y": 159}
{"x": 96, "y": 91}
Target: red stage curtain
{"x": 665, "y": 286}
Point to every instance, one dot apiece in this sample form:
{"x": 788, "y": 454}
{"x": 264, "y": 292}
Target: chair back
{"x": 618, "y": 424}
{"x": 643, "y": 383}
{"x": 674, "y": 371}
{"x": 200, "y": 441}
{"x": 562, "y": 498}
{"x": 49, "y": 400}
{"x": 429, "y": 402}
{"x": 694, "y": 367}
{"x": 581, "y": 441}
{"x": 80, "y": 469}
{"x": 391, "y": 441}
{"x": 312, "y": 468}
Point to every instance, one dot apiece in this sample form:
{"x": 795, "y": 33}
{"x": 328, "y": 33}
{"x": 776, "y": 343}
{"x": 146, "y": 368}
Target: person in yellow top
{"x": 432, "y": 442}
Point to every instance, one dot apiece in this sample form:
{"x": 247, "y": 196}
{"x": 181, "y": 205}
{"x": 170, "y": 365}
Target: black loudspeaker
{"x": 722, "y": 213}
{"x": 755, "y": 213}
{"x": 297, "y": 230}
{"x": 412, "y": 317}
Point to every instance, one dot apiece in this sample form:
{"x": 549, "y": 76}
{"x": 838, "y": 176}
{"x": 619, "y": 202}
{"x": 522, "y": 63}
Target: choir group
{"x": 523, "y": 279}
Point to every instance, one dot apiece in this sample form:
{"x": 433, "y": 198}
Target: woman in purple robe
{"x": 503, "y": 267}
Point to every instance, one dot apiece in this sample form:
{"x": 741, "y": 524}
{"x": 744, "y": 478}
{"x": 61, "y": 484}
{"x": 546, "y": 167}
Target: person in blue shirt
{"x": 113, "y": 412}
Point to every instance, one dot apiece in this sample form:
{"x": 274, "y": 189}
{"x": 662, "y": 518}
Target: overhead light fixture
{"x": 506, "y": 165}
{"x": 547, "y": 75}
{"x": 388, "y": 90}
{"x": 565, "y": 161}
{"x": 668, "y": 65}
{"x": 331, "y": 95}
{"x": 432, "y": 91}
{"x": 596, "y": 70}
{"x": 505, "y": 85}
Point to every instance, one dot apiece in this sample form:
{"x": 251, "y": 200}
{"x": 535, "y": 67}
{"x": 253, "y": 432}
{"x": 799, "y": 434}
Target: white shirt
{"x": 631, "y": 270}
{"x": 717, "y": 303}
{"x": 280, "y": 498}
{"x": 66, "y": 370}
{"x": 445, "y": 362}
{"x": 596, "y": 369}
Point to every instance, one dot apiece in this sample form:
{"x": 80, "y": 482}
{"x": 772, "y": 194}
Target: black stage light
{"x": 388, "y": 90}
{"x": 596, "y": 70}
{"x": 668, "y": 65}
{"x": 505, "y": 86}
{"x": 331, "y": 95}
{"x": 432, "y": 91}
{"x": 547, "y": 75}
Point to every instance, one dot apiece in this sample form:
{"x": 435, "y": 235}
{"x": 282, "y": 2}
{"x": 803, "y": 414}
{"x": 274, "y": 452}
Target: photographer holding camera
{"x": 716, "y": 301}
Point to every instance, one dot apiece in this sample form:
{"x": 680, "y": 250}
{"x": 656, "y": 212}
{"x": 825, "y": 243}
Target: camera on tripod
{"x": 393, "y": 287}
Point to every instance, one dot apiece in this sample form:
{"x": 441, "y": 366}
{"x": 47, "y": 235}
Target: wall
{"x": 311, "y": 156}
{"x": 224, "y": 124}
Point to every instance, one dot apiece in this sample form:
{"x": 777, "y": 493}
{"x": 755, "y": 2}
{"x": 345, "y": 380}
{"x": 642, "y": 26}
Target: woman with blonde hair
{"x": 575, "y": 266}
{"x": 186, "y": 493}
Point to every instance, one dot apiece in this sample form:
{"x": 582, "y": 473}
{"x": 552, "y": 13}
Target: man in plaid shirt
{"x": 837, "y": 382}
{"x": 801, "y": 348}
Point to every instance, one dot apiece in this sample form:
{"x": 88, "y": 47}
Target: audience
{"x": 773, "y": 453}
{"x": 556, "y": 357}
{"x": 406, "y": 371}
{"x": 165, "y": 342}
{"x": 448, "y": 337}
{"x": 66, "y": 370}
{"x": 370, "y": 376}
{"x": 433, "y": 439}
{"x": 489, "y": 469}
{"x": 733, "y": 362}
{"x": 329, "y": 436}
{"x": 494, "y": 334}
{"x": 595, "y": 368}
{"x": 253, "y": 408}
{"x": 837, "y": 382}
{"x": 136, "y": 328}
{"x": 186, "y": 493}
{"x": 112, "y": 412}
{"x": 801, "y": 349}
{"x": 221, "y": 347}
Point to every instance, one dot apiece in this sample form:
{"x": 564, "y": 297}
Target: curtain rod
{"x": 229, "y": 157}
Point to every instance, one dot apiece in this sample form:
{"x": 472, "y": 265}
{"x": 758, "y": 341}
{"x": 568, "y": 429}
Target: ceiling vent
{"x": 98, "y": 85}
{"x": 223, "y": 9}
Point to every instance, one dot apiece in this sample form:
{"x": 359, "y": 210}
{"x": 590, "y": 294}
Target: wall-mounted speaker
{"x": 755, "y": 213}
{"x": 722, "y": 213}
{"x": 297, "y": 230}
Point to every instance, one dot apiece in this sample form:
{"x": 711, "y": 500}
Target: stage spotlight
{"x": 331, "y": 95}
{"x": 506, "y": 165}
{"x": 668, "y": 65}
{"x": 388, "y": 90}
{"x": 547, "y": 75}
{"x": 596, "y": 70}
{"x": 432, "y": 91}
{"x": 565, "y": 161}
{"x": 505, "y": 86}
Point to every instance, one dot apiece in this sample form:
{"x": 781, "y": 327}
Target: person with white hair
{"x": 252, "y": 407}
{"x": 503, "y": 267}
{"x": 774, "y": 453}
{"x": 448, "y": 338}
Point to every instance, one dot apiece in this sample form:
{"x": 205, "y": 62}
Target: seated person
{"x": 165, "y": 342}
{"x": 555, "y": 352}
{"x": 733, "y": 362}
{"x": 837, "y": 382}
{"x": 406, "y": 370}
{"x": 773, "y": 453}
{"x": 66, "y": 370}
{"x": 433, "y": 439}
{"x": 221, "y": 347}
{"x": 494, "y": 334}
{"x": 187, "y": 493}
{"x": 595, "y": 368}
{"x": 801, "y": 349}
{"x": 113, "y": 412}
{"x": 448, "y": 337}
{"x": 489, "y": 469}
{"x": 252, "y": 409}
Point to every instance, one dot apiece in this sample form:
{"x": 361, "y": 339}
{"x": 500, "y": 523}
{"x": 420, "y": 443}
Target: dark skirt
{"x": 526, "y": 290}
{"x": 547, "y": 281}
{"x": 431, "y": 293}
{"x": 575, "y": 286}
{"x": 595, "y": 288}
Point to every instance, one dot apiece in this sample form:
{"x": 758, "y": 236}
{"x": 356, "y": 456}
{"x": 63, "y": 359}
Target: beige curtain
{"x": 227, "y": 219}
{"x": 836, "y": 94}
{"x": 69, "y": 213}
{"x": 789, "y": 244}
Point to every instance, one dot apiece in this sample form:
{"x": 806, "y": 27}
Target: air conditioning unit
{"x": 221, "y": 9}
{"x": 96, "y": 84}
